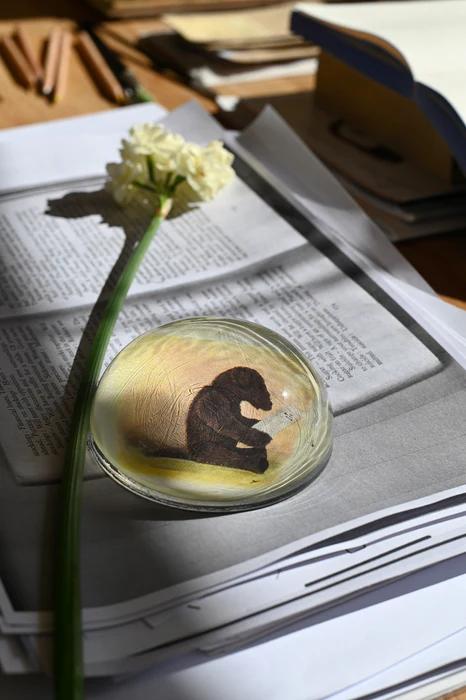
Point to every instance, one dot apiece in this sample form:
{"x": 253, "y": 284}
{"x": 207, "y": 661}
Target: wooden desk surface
{"x": 441, "y": 260}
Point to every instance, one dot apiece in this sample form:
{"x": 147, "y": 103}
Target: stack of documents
{"x": 284, "y": 246}
{"x": 220, "y": 48}
{"x": 149, "y": 8}
{"x": 390, "y": 108}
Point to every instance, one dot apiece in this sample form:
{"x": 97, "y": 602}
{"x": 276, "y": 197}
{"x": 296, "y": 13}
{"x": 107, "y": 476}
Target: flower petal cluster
{"x": 152, "y": 140}
{"x": 206, "y": 169}
{"x": 155, "y": 162}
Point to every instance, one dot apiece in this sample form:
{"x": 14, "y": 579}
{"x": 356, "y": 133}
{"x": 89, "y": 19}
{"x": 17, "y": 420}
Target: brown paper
{"x": 234, "y": 26}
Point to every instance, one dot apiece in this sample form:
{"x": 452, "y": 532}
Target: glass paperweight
{"x": 211, "y": 414}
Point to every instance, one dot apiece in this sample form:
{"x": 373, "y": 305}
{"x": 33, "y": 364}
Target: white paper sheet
{"x": 42, "y": 154}
{"x": 208, "y": 77}
{"x": 290, "y": 166}
{"x": 278, "y": 150}
{"x": 439, "y": 654}
{"x": 430, "y": 686}
{"x": 432, "y": 524}
{"x": 379, "y": 631}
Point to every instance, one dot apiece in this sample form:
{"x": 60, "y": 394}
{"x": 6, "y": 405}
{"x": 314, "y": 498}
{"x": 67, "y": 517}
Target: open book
{"x": 414, "y": 48}
{"x": 251, "y": 254}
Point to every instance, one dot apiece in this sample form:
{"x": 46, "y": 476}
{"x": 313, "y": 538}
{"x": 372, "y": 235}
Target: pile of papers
{"x": 149, "y": 8}
{"x": 221, "y": 48}
{"x": 255, "y": 604}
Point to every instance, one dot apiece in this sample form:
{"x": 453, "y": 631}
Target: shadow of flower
{"x": 133, "y": 221}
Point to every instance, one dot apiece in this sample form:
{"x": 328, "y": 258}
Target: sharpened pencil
{"x": 51, "y": 61}
{"x": 24, "y": 44}
{"x": 100, "y": 71}
{"x": 63, "y": 66}
{"x": 17, "y": 63}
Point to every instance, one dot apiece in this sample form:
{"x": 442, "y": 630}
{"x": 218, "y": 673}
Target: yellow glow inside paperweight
{"x": 211, "y": 414}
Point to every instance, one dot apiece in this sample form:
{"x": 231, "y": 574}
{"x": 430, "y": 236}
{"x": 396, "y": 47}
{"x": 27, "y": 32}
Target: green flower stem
{"x": 68, "y": 640}
{"x": 143, "y": 95}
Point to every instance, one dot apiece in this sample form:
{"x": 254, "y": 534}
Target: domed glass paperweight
{"x": 211, "y": 414}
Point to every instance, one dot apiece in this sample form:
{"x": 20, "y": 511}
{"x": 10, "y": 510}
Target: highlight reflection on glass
{"x": 211, "y": 414}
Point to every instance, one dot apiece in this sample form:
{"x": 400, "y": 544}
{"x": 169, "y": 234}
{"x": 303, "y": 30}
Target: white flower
{"x": 154, "y": 162}
{"x": 121, "y": 185}
{"x": 157, "y": 143}
{"x": 207, "y": 170}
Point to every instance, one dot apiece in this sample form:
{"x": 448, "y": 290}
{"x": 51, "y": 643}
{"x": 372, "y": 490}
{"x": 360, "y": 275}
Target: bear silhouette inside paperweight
{"x": 216, "y": 425}
{"x": 211, "y": 414}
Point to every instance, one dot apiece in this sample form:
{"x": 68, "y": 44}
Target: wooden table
{"x": 441, "y": 260}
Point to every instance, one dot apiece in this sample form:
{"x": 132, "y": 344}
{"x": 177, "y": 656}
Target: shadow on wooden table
{"x": 29, "y": 9}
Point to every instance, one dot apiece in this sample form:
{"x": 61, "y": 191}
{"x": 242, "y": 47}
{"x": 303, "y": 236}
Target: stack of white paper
{"x": 389, "y": 508}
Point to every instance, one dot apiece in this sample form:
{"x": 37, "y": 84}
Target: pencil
{"x": 51, "y": 61}
{"x": 63, "y": 66}
{"x": 99, "y": 69}
{"x": 17, "y": 62}
{"x": 25, "y": 46}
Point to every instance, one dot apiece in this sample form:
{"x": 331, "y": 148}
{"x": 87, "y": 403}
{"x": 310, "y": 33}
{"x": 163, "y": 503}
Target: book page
{"x": 429, "y": 35}
{"x": 352, "y": 340}
{"x": 59, "y": 247}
